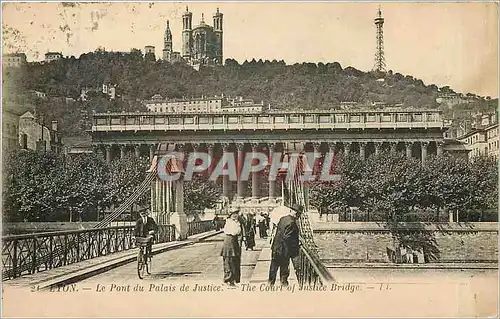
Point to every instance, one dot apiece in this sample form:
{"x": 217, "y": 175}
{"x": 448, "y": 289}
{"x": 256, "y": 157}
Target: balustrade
{"x": 198, "y": 227}
{"x": 31, "y": 253}
{"x": 274, "y": 120}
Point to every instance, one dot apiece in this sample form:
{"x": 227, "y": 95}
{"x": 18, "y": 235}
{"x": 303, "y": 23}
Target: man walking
{"x": 285, "y": 245}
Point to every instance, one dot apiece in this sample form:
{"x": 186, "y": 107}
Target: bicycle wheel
{"x": 147, "y": 264}
{"x": 140, "y": 263}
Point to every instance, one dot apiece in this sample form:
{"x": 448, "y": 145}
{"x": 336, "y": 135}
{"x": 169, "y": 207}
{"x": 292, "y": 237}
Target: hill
{"x": 305, "y": 86}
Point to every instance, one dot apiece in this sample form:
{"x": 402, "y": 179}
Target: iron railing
{"x": 309, "y": 269}
{"x": 31, "y": 253}
{"x": 198, "y": 227}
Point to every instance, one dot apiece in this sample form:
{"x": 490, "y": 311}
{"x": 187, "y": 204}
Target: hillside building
{"x": 201, "y": 44}
{"x": 53, "y": 56}
{"x": 15, "y": 60}
{"x": 204, "y": 104}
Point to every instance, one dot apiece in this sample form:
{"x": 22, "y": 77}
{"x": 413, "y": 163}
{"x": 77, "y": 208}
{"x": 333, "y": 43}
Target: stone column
{"x": 378, "y": 146}
{"x": 409, "y": 146}
{"x": 423, "y": 148}
{"x": 272, "y": 183}
{"x": 239, "y": 185}
{"x": 347, "y": 148}
{"x": 362, "y": 150}
{"x": 122, "y": 151}
{"x": 393, "y": 146}
{"x": 255, "y": 175}
{"x": 108, "y": 153}
{"x": 152, "y": 149}
{"x": 439, "y": 148}
{"x": 179, "y": 218}
{"x": 137, "y": 150}
{"x": 225, "y": 178}
{"x": 210, "y": 149}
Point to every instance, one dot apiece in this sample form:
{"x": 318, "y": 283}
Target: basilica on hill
{"x": 201, "y": 44}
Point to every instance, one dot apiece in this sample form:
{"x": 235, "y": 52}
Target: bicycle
{"x": 142, "y": 256}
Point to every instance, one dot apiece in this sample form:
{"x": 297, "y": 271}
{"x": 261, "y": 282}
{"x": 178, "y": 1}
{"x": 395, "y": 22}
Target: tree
{"x": 200, "y": 193}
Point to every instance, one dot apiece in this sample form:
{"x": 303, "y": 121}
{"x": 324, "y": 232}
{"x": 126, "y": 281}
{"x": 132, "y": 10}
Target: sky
{"x": 453, "y": 44}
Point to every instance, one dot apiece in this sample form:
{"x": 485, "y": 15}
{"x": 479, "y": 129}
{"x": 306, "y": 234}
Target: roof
{"x": 51, "y": 53}
{"x": 21, "y": 54}
{"x": 479, "y": 130}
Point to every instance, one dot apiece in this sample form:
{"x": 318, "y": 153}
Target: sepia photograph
{"x": 250, "y": 159}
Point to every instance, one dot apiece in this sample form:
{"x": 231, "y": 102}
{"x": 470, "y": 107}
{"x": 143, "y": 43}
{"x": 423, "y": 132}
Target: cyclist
{"x": 146, "y": 226}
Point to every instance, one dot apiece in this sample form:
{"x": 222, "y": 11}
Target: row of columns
{"x": 346, "y": 147}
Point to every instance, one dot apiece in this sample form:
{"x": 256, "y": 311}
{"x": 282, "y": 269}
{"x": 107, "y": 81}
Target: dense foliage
{"x": 306, "y": 85}
{"x": 394, "y": 186}
{"x": 50, "y": 187}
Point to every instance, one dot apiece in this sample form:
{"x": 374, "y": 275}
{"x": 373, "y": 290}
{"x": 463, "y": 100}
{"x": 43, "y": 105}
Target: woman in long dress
{"x": 231, "y": 249}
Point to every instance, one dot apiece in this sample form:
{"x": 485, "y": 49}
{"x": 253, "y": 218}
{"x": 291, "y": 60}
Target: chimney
{"x": 54, "y": 126}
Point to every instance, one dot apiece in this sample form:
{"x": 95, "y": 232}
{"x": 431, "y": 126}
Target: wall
{"x": 10, "y": 130}
{"x": 373, "y": 242}
{"x": 33, "y": 130}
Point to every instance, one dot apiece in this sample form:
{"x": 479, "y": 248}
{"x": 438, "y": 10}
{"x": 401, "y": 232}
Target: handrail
{"x": 59, "y": 232}
{"x": 320, "y": 271}
{"x": 31, "y": 253}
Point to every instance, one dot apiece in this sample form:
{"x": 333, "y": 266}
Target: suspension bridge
{"x": 183, "y": 251}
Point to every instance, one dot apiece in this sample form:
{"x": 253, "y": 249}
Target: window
{"x": 263, "y": 120}
{"x": 218, "y": 120}
{"x": 159, "y": 120}
{"x": 402, "y": 118}
{"x": 417, "y": 117}
{"x": 386, "y": 117}
{"x": 309, "y": 119}
{"x": 232, "y": 120}
{"x": 203, "y": 120}
{"x": 174, "y": 120}
{"x": 248, "y": 119}
{"x": 370, "y": 117}
{"x": 189, "y": 120}
{"x": 130, "y": 120}
{"x": 355, "y": 118}
{"x": 339, "y": 118}
{"x": 115, "y": 121}
{"x": 293, "y": 119}
{"x": 279, "y": 119}
{"x": 101, "y": 121}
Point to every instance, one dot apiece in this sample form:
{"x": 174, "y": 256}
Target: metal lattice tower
{"x": 379, "y": 53}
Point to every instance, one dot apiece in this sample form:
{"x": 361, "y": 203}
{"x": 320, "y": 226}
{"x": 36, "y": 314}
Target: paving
{"x": 199, "y": 262}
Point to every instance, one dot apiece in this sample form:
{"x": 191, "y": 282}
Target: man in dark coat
{"x": 285, "y": 245}
{"x": 144, "y": 227}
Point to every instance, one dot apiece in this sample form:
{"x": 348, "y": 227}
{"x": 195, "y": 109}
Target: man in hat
{"x": 146, "y": 226}
{"x": 285, "y": 245}
{"x": 231, "y": 249}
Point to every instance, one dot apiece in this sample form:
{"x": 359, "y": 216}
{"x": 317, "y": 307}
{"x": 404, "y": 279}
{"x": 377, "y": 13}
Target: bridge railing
{"x": 31, "y": 253}
{"x": 308, "y": 267}
{"x": 198, "y": 227}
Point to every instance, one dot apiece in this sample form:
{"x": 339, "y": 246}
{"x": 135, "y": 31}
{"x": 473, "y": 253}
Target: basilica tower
{"x": 218, "y": 36}
{"x": 187, "y": 19}
{"x": 167, "y": 44}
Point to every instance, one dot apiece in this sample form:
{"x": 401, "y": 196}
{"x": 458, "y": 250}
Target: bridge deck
{"x": 196, "y": 263}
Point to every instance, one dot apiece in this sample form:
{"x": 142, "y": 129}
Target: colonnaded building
{"x": 414, "y": 132}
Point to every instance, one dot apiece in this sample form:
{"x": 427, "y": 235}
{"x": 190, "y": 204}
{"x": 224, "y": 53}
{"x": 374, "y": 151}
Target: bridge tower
{"x": 379, "y": 53}
{"x": 167, "y": 197}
